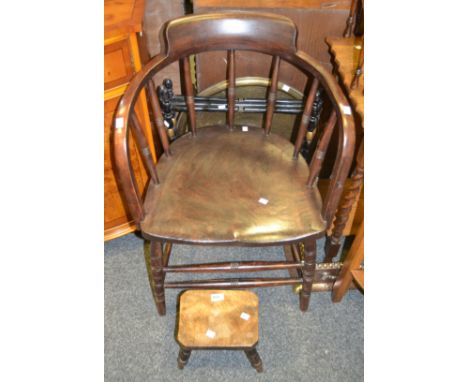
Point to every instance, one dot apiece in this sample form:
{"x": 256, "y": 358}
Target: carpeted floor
{"x": 324, "y": 344}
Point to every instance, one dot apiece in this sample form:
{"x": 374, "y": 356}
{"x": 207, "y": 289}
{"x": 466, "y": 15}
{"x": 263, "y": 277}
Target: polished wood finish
{"x": 359, "y": 69}
{"x": 350, "y": 197}
{"x": 157, "y": 275}
{"x": 306, "y": 117}
{"x": 273, "y": 4}
{"x": 257, "y": 282}
{"x": 321, "y": 150}
{"x": 241, "y": 266}
{"x": 122, "y": 17}
{"x": 197, "y": 313}
{"x": 156, "y": 108}
{"x": 231, "y": 87}
{"x": 315, "y": 20}
{"x": 351, "y": 19}
{"x": 233, "y": 186}
{"x": 346, "y": 55}
{"x": 310, "y": 254}
{"x": 144, "y": 148}
{"x": 352, "y": 264}
{"x": 272, "y": 94}
{"x": 218, "y": 319}
{"x": 188, "y": 87}
{"x": 122, "y": 24}
{"x": 229, "y": 211}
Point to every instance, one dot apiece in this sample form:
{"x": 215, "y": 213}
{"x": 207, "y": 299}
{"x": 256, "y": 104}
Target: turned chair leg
{"x": 310, "y": 254}
{"x": 254, "y": 359}
{"x": 350, "y": 196}
{"x": 184, "y": 355}
{"x": 157, "y": 264}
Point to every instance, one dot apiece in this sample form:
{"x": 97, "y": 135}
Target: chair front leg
{"x": 157, "y": 264}
{"x": 310, "y": 254}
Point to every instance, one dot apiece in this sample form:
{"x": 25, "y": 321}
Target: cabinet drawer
{"x": 118, "y": 68}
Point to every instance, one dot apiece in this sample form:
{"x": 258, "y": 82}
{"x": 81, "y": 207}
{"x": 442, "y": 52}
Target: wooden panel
{"x": 156, "y": 14}
{"x": 356, "y": 216}
{"x": 317, "y": 4}
{"x": 313, "y": 19}
{"x": 117, "y": 64}
{"x": 122, "y": 17}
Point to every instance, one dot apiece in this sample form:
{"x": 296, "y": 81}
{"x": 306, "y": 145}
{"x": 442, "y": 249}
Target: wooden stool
{"x": 218, "y": 319}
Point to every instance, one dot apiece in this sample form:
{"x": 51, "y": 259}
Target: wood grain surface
{"x": 211, "y": 188}
{"x": 198, "y": 314}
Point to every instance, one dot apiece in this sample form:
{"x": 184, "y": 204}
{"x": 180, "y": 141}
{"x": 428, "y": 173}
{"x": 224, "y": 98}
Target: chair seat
{"x": 232, "y": 187}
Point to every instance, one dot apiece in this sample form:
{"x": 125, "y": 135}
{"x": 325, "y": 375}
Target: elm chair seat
{"x": 227, "y": 187}
{"x": 222, "y": 185}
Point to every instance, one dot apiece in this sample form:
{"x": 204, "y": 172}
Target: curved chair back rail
{"x": 270, "y": 34}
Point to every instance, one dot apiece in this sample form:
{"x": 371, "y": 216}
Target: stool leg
{"x": 156, "y": 261}
{"x": 184, "y": 355}
{"x": 254, "y": 359}
{"x": 310, "y": 254}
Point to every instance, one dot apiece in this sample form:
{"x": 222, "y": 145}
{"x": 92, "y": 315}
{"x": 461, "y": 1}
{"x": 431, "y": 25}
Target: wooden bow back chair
{"x": 228, "y": 184}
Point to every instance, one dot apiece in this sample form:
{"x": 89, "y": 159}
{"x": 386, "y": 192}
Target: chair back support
{"x": 266, "y": 33}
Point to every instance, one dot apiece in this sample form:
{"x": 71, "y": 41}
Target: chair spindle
{"x": 306, "y": 117}
{"x": 359, "y": 69}
{"x": 231, "y": 87}
{"x": 321, "y": 150}
{"x": 272, "y": 94}
{"x": 144, "y": 149}
{"x": 188, "y": 86}
{"x": 351, "y": 18}
{"x": 162, "y": 132}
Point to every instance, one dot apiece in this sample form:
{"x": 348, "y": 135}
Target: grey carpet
{"x": 324, "y": 344}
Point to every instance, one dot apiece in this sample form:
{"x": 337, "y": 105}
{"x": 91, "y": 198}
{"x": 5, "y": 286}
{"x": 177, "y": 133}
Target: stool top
{"x": 218, "y": 318}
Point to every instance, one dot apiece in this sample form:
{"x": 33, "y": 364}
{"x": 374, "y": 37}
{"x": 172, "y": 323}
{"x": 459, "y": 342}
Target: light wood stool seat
{"x": 218, "y": 319}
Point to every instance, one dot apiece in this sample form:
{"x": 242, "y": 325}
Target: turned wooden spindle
{"x": 188, "y": 87}
{"x": 351, "y": 18}
{"x": 359, "y": 69}
{"x": 157, "y": 273}
{"x": 231, "y": 87}
{"x": 162, "y": 132}
{"x": 305, "y": 117}
{"x": 272, "y": 94}
{"x": 310, "y": 254}
{"x": 144, "y": 148}
{"x": 321, "y": 150}
{"x": 350, "y": 195}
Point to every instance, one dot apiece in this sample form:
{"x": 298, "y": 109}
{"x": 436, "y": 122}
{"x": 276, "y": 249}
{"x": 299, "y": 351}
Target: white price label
{"x": 209, "y": 333}
{"x": 245, "y": 128}
{"x": 263, "y": 201}
{"x": 217, "y": 297}
{"x": 245, "y": 316}
{"x": 285, "y": 88}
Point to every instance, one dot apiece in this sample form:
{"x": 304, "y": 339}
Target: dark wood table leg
{"x": 184, "y": 355}
{"x": 254, "y": 359}
{"x": 310, "y": 254}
